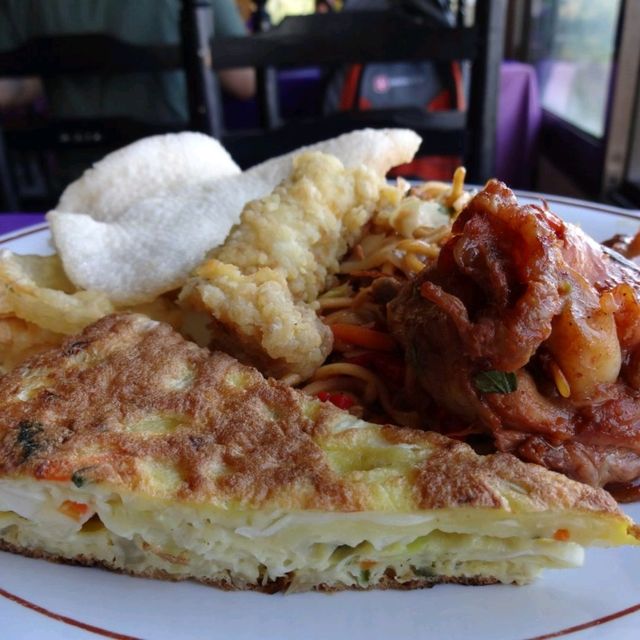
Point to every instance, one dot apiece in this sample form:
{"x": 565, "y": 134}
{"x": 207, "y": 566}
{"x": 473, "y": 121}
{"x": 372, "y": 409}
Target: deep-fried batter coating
{"x": 20, "y": 339}
{"x": 258, "y": 286}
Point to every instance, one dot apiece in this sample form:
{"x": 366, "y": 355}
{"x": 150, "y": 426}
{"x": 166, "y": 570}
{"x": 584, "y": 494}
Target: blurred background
{"x": 542, "y": 94}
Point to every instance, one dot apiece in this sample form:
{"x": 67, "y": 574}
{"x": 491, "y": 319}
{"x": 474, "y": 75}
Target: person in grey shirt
{"x": 150, "y": 97}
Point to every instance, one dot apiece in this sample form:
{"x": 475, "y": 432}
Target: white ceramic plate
{"x": 601, "y": 600}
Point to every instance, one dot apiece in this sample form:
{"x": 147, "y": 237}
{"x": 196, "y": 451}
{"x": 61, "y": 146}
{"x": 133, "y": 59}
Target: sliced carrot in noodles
{"x": 363, "y": 337}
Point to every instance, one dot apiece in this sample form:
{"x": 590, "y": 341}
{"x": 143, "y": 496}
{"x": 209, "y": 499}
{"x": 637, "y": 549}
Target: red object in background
{"x": 428, "y": 168}
{"x": 519, "y": 117}
{"x": 425, "y": 167}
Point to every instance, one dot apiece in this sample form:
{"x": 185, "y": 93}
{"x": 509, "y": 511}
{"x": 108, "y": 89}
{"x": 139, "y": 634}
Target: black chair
{"x": 367, "y": 36}
{"x": 100, "y": 54}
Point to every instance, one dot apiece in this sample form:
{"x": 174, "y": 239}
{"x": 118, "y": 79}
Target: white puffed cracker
{"x": 151, "y": 247}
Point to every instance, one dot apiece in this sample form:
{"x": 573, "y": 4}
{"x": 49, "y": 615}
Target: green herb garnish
{"x": 365, "y": 574}
{"x": 447, "y": 211}
{"x": 77, "y": 479}
{"x": 79, "y": 476}
{"x": 495, "y": 382}
{"x": 28, "y": 433}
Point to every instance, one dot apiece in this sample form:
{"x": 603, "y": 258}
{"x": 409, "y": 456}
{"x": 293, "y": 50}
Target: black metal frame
{"x": 355, "y": 37}
{"x": 577, "y": 153}
{"x": 627, "y": 192}
{"x": 8, "y": 197}
{"x": 203, "y": 92}
{"x": 627, "y": 195}
{"x": 48, "y": 56}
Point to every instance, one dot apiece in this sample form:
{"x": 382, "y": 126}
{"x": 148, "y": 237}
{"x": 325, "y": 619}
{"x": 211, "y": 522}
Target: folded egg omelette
{"x": 131, "y": 448}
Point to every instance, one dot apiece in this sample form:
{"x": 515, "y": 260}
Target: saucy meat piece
{"x": 527, "y": 329}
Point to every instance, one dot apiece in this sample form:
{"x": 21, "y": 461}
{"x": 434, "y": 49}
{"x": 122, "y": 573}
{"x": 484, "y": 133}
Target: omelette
{"x": 131, "y": 448}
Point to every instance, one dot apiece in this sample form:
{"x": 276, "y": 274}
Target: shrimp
{"x": 584, "y": 341}
{"x": 532, "y": 301}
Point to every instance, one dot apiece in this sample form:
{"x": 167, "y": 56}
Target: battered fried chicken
{"x": 260, "y": 287}
{"x": 527, "y": 329}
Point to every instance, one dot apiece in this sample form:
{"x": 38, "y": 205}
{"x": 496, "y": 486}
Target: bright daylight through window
{"x": 573, "y": 44}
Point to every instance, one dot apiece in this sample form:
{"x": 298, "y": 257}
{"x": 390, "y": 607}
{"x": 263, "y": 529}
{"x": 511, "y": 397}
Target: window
{"x": 621, "y": 181}
{"x": 633, "y": 170}
{"x": 628, "y": 193}
{"x": 572, "y": 44}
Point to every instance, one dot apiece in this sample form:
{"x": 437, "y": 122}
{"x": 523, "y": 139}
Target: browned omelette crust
{"x": 456, "y": 475}
{"x": 233, "y": 439}
{"x": 119, "y": 371}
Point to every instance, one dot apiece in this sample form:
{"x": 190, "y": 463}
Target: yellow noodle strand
{"x": 418, "y": 246}
{"x": 413, "y": 264}
{"x": 562, "y": 384}
{"x": 431, "y": 234}
{"x": 457, "y": 186}
{"x": 379, "y": 257}
{"x": 344, "y": 384}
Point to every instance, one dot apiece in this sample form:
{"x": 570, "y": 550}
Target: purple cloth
{"x": 300, "y": 91}
{"x": 12, "y": 221}
{"x": 519, "y": 117}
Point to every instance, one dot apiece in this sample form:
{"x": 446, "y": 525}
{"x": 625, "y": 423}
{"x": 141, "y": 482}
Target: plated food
{"x": 132, "y": 448}
{"x": 259, "y": 287}
{"x": 134, "y": 252}
{"x": 528, "y": 330}
{"x": 325, "y": 283}
{"x": 367, "y": 371}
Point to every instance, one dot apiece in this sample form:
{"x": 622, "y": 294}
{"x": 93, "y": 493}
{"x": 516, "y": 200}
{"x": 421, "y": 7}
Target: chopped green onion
{"x": 495, "y": 382}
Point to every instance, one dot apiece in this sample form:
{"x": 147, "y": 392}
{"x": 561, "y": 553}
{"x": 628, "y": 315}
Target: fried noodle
{"x": 366, "y": 372}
